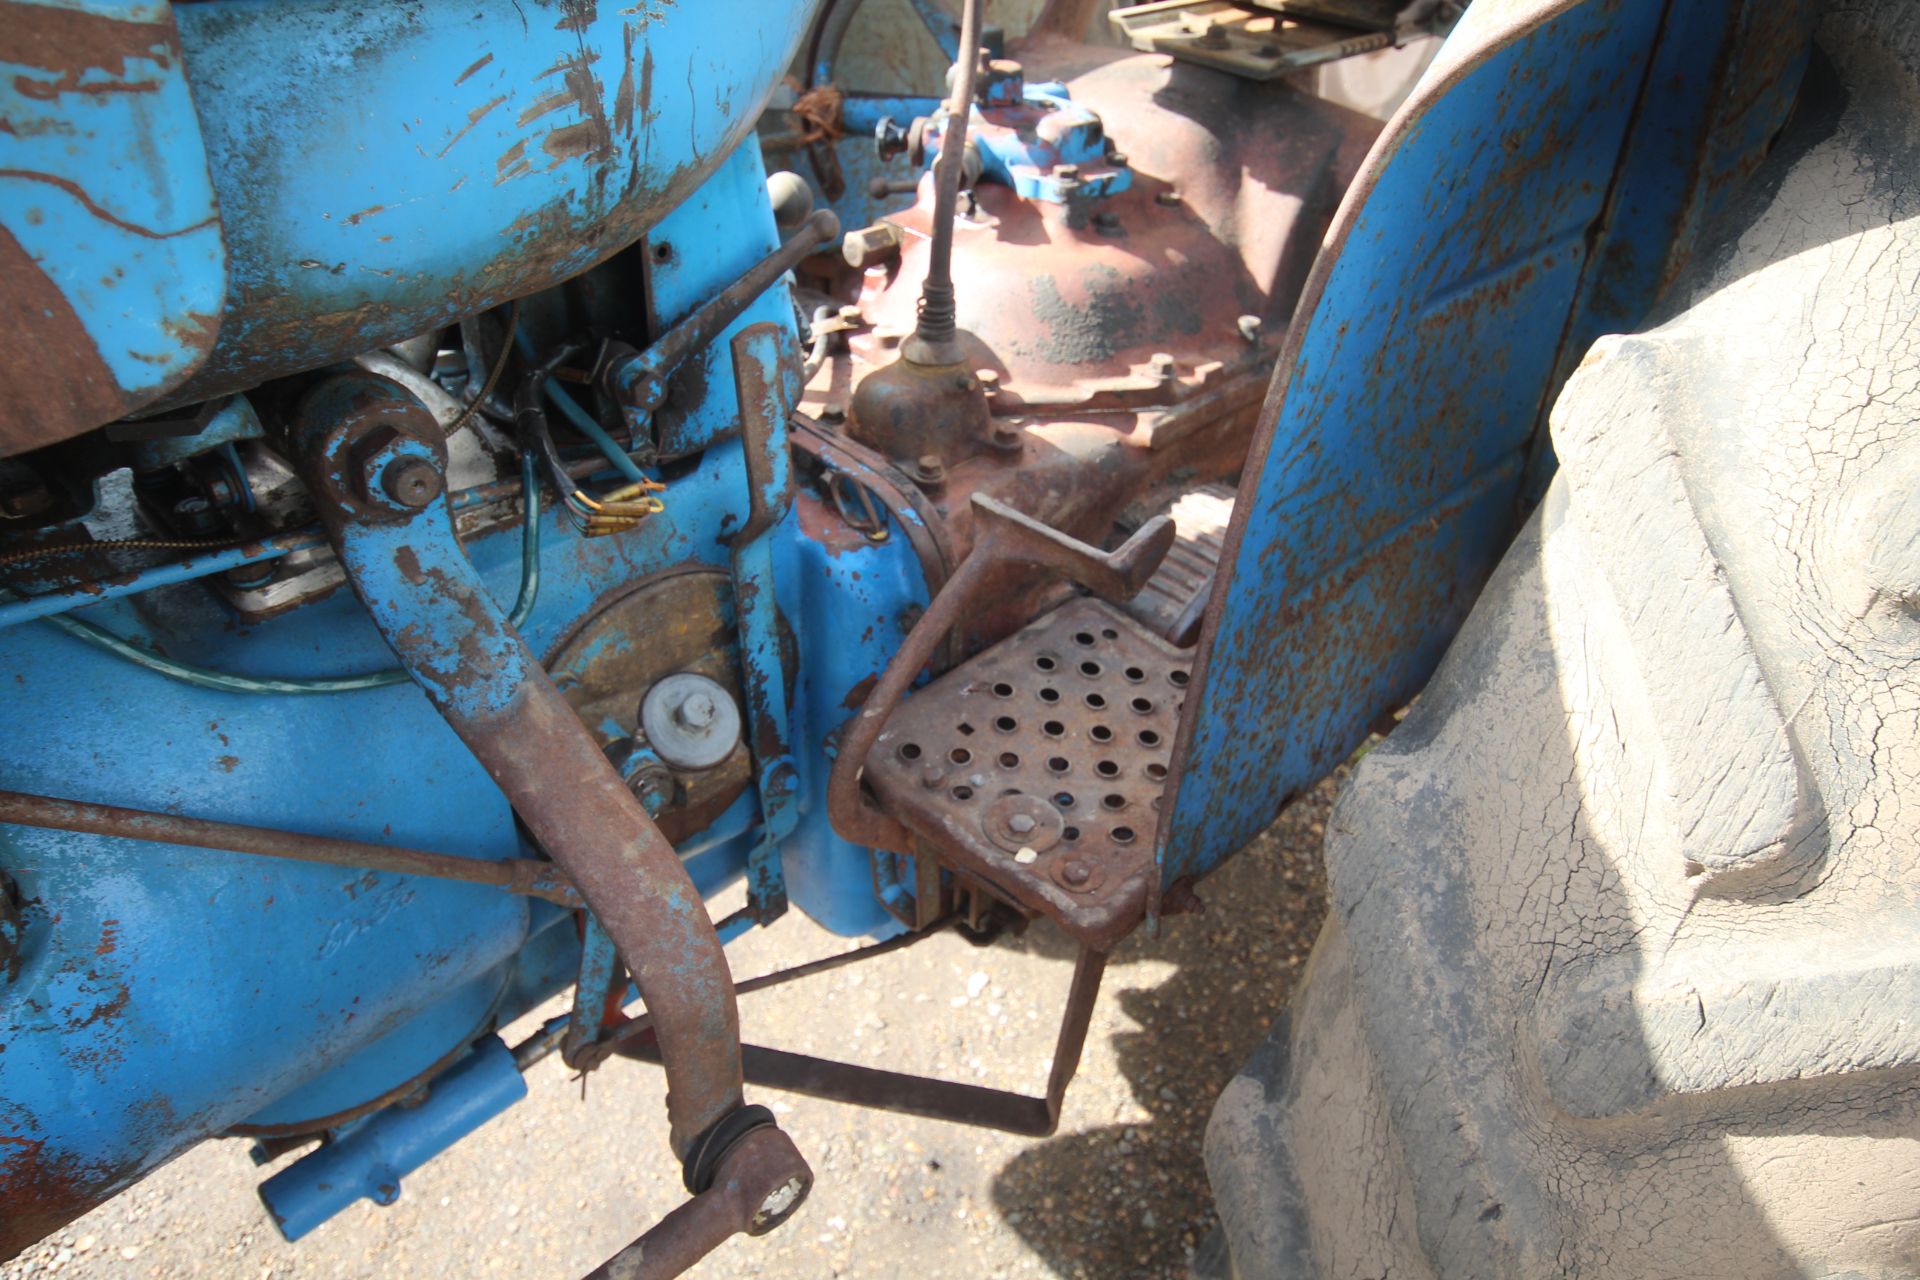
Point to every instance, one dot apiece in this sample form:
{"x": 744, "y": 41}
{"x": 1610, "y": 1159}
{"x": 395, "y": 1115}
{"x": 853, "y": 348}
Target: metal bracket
{"x": 764, "y": 412}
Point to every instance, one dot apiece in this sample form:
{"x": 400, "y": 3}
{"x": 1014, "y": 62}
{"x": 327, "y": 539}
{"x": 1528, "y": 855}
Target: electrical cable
{"x": 206, "y": 678}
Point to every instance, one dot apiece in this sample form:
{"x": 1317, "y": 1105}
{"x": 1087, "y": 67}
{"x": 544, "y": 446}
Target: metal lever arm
{"x": 1002, "y": 536}
{"x": 375, "y": 465}
{"x": 638, "y": 379}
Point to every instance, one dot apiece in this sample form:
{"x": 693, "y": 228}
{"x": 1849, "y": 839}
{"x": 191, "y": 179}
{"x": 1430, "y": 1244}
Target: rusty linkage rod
{"x": 951, "y": 1100}
{"x": 639, "y": 378}
{"x": 933, "y": 339}
{"x": 526, "y": 876}
{"x": 375, "y": 464}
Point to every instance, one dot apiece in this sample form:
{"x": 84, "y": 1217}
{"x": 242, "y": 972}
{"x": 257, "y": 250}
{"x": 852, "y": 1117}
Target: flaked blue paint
{"x": 105, "y": 189}
{"x": 1525, "y": 200}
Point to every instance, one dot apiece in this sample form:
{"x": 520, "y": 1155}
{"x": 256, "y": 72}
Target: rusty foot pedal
{"x": 1037, "y": 768}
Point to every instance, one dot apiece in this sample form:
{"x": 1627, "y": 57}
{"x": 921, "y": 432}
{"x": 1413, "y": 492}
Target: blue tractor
{"x": 462, "y": 510}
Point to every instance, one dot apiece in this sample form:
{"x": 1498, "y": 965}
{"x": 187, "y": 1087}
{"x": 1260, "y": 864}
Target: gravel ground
{"x": 555, "y": 1185}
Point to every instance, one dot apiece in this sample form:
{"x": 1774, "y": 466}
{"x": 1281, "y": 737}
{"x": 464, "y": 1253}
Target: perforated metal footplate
{"x": 1038, "y": 767}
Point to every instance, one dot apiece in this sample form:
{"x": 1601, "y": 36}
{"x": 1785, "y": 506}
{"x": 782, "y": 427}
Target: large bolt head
{"x": 690, "y": 720}
{"x": 697, "y": 712}
{"x": 870, "y": 246}
{"x": 411, "y": 482}
{"x": 394, "y": 471}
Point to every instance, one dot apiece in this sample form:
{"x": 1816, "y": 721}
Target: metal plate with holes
{"x": 1037, "y": 767}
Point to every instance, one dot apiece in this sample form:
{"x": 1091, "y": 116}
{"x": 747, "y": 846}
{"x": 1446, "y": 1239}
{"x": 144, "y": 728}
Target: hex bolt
{"x": 412, "y": 482}
{"x": 871, "y": 245}
{"x": 697, "y": 712}
{"x": 1249, "y": 327}
{"x": 989, "y": 381}
{"x": 1076, "y": 872}
{"x": 1168, "y": 197}
{"x": 1020, "y": 824}
{"x": 1162, "y": 366}
{"x": 930, "y": 469}
{"x": 1118, "y": 159}
{"x": 652, "y": 786}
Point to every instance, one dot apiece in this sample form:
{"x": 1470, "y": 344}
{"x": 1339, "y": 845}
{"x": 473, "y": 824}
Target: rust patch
{"x": 53, "y": 382}
{"x": 44, "y": 1191}
{"x": 408, "y": 562}
{"x": 107, "y": 216}
{"x": 570, "y": 142}
{"x": 355, "y": 219}
{"x": 109, "y": 938}
{"x": 69, "y": 44}
{"x": 465, "y": 75}
{"x": 857, "y": 696}
{"x": 577, "y": 15}
{"x": 473, "y": 118}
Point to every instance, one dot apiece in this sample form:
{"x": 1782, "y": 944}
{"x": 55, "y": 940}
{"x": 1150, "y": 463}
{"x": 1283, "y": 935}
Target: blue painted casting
{"x": 367, "y": 1158}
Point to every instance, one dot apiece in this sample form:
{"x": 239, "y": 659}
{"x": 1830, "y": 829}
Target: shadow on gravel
{"x": 1131, "y": 1200}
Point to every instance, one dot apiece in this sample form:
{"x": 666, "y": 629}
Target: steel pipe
{"x": 526, "y": 876}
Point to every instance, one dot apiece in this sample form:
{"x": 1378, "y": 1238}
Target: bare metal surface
{"x": 526, "y": 876}
{"x": 764, "y": 1168}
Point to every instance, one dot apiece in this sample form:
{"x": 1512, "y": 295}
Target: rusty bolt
{"x": 652, "y": 786}
{"x": 412, "y": 482}
{"x": 1162, "y": 365}
{"x": 1118, "y": 159}
{"x": 1167, "y": 197}
{"x": 1249, "y": 328}
{"x": 1068, "y": 172}
{"x": 1020, "y": 824}
{"x": 1076, "y": 872}
{"x": 929, "y": 468}
{"x": 989, "y": 380}
{"x": 871, "y": 245}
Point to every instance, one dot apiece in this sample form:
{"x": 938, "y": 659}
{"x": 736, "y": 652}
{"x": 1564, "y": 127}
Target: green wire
{"x": 529, "y": 542}
{"x": 584, "y": 421}
{"x": 204, "y": 678}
